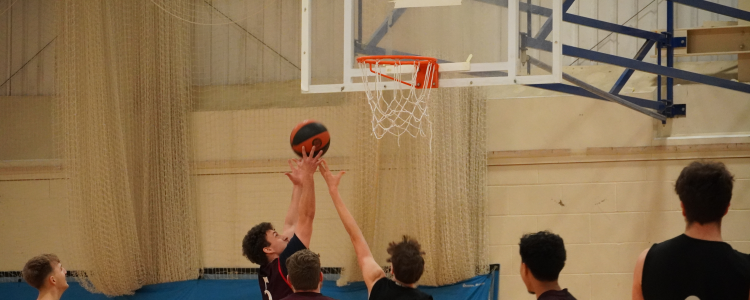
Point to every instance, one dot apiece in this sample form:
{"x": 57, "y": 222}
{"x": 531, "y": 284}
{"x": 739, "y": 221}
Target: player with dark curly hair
{"x": 542, "y": 259}
{"x": 264, "y": 246}
{"x": 407, "y": 263}
{"x": 697, "y": 263}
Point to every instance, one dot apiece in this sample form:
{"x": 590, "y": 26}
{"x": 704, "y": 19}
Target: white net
{"x": 405, "y": 109}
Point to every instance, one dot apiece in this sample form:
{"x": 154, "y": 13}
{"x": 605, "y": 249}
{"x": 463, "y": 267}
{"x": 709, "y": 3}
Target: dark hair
{"x": 304, "y": 270}
{"x": 255, "y": 241}
{"x": 406, "y": 256}
{"x": 705, "y": 189}
{"x": 544, "y": 254}
{"x": 37, "y": 269}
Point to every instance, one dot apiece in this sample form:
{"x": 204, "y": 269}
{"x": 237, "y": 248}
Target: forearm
{"x": 303, "y": 229}
{"x": 355, "y": 234}
{"x": 371, "y": 271}
{"x": 292, "y": 214}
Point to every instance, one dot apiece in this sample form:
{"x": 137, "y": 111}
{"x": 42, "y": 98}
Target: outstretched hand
{"x": 296, "y": 174}
{"x": 308, "y": 164}
{"x": 332, "y": 180}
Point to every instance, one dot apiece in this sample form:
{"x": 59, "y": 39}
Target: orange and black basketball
{"x": 309, "y": 133}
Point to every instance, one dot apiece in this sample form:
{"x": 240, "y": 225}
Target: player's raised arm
{"x": 292, "y": 214}
{"x": 307, "y": 166}
{"x": 371, "y": 271}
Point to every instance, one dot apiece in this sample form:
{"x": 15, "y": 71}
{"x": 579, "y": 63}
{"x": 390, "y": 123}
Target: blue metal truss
{"x": 664, "y": 107}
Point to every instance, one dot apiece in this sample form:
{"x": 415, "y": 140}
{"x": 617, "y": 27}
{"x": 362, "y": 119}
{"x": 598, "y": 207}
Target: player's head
{"x": 705, "y": 189}
{"x": 262, "y": 242}
{"x": 304, "y": 271}
{"x": 45, "y": 272}
{"x": 542, "y": 257}
{"x": 407, "y": 264}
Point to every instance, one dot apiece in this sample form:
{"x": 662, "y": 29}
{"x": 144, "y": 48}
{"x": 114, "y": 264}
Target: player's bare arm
{"x": 638, "y": 276}
{"x": 371, "y": 271}
{"x": 292, "y": 214}
{"x": 307, "y": 166}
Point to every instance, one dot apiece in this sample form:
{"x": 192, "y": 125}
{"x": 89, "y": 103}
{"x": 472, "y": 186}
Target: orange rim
{"x": 419, "y": 62}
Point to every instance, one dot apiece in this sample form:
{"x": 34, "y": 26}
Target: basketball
{"x": 309, "y": 133}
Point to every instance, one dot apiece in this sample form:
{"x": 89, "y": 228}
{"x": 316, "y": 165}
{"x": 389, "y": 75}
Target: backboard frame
{"x": 510, "y": 67}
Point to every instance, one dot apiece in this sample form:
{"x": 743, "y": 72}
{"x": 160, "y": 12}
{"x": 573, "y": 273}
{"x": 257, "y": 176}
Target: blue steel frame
{"x": 666, "y": 40}
{"x": 665, "y": 106}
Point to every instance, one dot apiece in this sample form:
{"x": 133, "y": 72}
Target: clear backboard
{"x": 476, "y": 42}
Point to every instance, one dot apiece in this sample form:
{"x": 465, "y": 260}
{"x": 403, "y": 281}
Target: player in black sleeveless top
{"x": 697, "y": 263}
{"x": 542, "y": 259}
{"x": 407, "y": 264}
{"x": 269, "y": 249}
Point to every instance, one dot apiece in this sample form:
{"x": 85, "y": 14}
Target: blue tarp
{"x": 477, "y": 288}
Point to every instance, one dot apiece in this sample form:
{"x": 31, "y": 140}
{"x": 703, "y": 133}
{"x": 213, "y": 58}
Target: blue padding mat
{"x": 477, "y": 288}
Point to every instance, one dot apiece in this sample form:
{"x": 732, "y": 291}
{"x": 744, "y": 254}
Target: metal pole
{"x": 658, "y": 77}
{"x": 528, "y": 31}
{"x": 599, "y": 92}
{"x": 670, "y": 49}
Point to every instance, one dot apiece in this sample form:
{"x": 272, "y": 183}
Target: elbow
{"x": 309, "y": 215}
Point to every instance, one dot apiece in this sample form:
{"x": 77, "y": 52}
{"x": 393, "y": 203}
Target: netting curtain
{"x": 123, "y": 85}
{"x": 435, "y": 194}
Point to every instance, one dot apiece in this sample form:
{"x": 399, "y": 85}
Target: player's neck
{"x": 413, "y": 285}
{"x": 709, "y": 231}
{"x": 308, "y": 291}
{"x": 50, "y": 294}
{"x": 540, "y": 287}
{"x": 272, "y": 257}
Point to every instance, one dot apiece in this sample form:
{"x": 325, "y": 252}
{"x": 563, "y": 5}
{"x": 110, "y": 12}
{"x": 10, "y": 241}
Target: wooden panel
{"x": 743, "y": 67}
{"x": 743, "y": 5}
{"x": 720, "y": 39}
{"x": 685, "y": 17}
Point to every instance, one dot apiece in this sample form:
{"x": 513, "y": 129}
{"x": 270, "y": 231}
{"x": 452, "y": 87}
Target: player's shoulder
{"x": 269, "y": 268}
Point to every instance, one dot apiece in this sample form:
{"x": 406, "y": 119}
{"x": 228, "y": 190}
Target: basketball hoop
{"x": 405, "y": 110}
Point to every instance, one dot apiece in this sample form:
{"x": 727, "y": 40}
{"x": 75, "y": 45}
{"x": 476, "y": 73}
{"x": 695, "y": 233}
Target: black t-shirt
{"x": 684, "y": 266}
{"x": 307, "y": 296}
{"x": 556, "y": 295}
{"x": 386, "y": 289}
{"x": 272, "y": 276}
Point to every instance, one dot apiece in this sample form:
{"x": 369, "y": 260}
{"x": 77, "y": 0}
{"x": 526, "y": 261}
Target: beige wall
{"x": 607, "y": 213}
{"x": 602, "y": 177}
{"x": 595, "y": 172}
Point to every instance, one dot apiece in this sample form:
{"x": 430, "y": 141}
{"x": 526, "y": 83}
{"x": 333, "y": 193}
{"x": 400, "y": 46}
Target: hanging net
{"x": 405, "y": 109}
